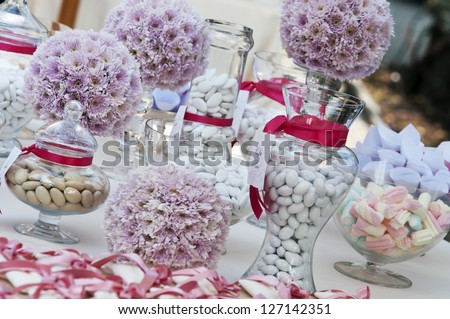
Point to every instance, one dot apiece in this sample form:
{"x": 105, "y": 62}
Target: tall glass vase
{"x": 309, "y": 172}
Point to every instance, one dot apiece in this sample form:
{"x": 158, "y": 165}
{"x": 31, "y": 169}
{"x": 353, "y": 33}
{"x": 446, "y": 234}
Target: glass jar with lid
{"x": 56, "y": 176}
{"x": 20, "y": 34}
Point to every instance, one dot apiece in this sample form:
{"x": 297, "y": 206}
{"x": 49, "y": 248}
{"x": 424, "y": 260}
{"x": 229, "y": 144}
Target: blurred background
{"x": 411, "y": 86}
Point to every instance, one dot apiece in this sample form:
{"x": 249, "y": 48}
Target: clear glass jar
{"x": 57, "y": 177}
{"x": 309, "y": 172}
{"x": 20, "y": 34}
{"x": 213, "y": 95}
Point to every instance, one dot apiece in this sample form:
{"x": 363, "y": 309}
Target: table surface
{"x": 430, "y": 273}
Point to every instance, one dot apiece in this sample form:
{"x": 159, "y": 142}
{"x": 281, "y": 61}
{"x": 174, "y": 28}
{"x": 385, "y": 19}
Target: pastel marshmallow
{"x": 395, "y": 195}
{"x": 425, "y": 200}
{"x": 415, "y": 222}
{"x": 369, "y": 214}
{"x": 397, "y": 234}
{"x": 369, "y": 228}
{"x": 421, "y": 237}
{"x": 400, "y": 219}
{"x": 388, "y": 211}
{"x": 431, "y": 223}
{"x": 444, "y": 220}
{"x": 404, "y": 243}
{"x": 383, "y": 243}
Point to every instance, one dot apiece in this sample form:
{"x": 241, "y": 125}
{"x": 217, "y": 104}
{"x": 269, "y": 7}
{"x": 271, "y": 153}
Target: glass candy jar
{"x": 308, "y": 173}
{"x": 214, "y": 94}
{"x": 57, "y": 177}
{"x": 20, "y": 34}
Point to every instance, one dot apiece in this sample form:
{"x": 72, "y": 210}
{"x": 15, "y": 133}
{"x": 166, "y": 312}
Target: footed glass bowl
{"x": 389, "y": 223}
{"x": 56, "y": 176}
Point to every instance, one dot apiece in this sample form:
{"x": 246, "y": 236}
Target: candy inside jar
{"x": 14, "y": 106}
{"x": 307, "y": 174}
{"x": 20, "y": 35}
{"x": 388, "y": 223}
{"x": 214, "y": 94}
{"x": 57, "y": 177}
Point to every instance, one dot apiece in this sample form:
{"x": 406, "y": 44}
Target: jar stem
{"x": 47, "y": 228}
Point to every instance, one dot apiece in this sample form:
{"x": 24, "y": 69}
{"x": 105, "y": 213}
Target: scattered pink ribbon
{"x": 82, "y": 276}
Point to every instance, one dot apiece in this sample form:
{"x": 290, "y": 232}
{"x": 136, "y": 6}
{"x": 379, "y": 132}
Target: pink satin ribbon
{"x": 82, "y": 277}
{"x": 56, "y": 158}
{"x": 308, "y": 128}
{"x": 447, "y": 164}
{"x": 270, "y": 88}
{"x": 16, "y": 46}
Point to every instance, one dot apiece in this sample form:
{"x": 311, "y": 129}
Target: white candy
{"x": 217, "y": 94}
{"x": 293, "y": 259}
{"x": 302, "y": 201}
{"x": 204, "y": 86}
{"x": 269, "y": 270}
{"x": 286, "y": 232}
{"x": 275, "y": 241}
{"x": 291, "y": 178}
{"x": 282, "y": 265}
{"x": 16, "y": 110}
{"x": 279, "y": 180}
{"x": 285, "y": 190}
{"x": 302, "y": 188}
{"x": 290, "y": 245}
{"x": 208, "y": 132}
{"x": 271, "y": 259}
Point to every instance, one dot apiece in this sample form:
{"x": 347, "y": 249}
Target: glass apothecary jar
{"x": 308, "y": 173}
{"x": 56, "y": 176}
{"x": 214, "y": 94}
{"x": 20, "y": 34}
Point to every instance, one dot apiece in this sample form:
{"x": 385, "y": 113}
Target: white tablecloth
{"x": 430, "y": 273}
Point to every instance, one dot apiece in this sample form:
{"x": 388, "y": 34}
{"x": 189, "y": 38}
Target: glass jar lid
{"x": 67, "y": 138}
{"x": 20, "y": 30}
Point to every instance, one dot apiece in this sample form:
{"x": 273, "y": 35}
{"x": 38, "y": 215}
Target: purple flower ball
{"x": 88, "y": 66}
{"x": 169, "y": 39}
{"x": 167, "y": 215}
{"x": 345, "y": 39}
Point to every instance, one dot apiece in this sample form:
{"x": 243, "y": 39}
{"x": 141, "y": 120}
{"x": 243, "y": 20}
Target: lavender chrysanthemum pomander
{"x": 167, "y": 215}
{"x": 169, "y": 39}
{"x": 345, "y": 39}
{"x": 88, "y": 66}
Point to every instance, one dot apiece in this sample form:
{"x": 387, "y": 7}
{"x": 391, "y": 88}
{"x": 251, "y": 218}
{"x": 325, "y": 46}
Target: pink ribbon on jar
{"x": 308, "y": 128}
{"x": 208, "y": 120}
{"x": 56, "y": 158}
{"x": 15, "y": 46}
{"x": 270, "y": 88}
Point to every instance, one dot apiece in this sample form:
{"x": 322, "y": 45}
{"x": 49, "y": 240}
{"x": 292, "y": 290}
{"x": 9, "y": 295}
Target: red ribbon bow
{"x": 308, "y": 128}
